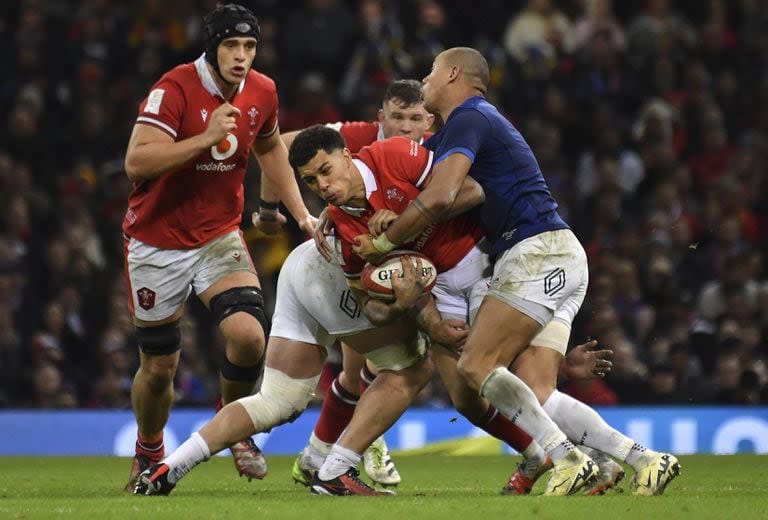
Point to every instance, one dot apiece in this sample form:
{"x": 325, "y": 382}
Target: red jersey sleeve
{"x": 269, "y": 126}
{"x": 402, "y": 159}
{"x": 164, "y": 107}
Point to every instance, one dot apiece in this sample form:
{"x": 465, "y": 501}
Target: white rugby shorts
{"x": 161, "y": 280}
{"x": 544, "y": 277}
{"x": 314, "y": 303}
{"x": 453, "y": 288}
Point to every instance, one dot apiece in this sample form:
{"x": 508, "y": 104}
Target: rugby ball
{"x": 376, "y": 280}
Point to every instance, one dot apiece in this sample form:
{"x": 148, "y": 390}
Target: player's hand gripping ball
{"x": 376, "y": 280}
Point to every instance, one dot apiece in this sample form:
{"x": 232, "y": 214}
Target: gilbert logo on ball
{"x": 376, "y": 280}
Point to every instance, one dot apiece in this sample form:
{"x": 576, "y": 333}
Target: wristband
{"x": 382, "y": 244}
{"x": 263, "y": 204}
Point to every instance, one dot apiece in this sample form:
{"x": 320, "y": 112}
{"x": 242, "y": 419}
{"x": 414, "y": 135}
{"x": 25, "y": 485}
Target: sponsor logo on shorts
{"x": 554, "y": 281}
{"x": 146, "y": 298}
{"x": 236, "y": 256}
{"x": 349, "y": 305}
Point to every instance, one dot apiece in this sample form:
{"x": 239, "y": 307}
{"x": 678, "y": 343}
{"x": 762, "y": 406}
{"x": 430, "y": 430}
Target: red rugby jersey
{"x": 394, "y": 171}
{"x": 203, "y": 199}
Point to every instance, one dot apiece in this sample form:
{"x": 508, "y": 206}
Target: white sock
{"x": 638, "y": 456}
{"x": 321, "y": 447}
{"x": 191, "y": 453}
{"x": 583, "y": 425}
{"x": 338, "y": 462}
{"x": 514, "y": 399}
{"x": 534, "y": 452}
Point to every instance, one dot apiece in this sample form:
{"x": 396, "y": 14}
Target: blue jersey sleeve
{"x": 464, "y": 133}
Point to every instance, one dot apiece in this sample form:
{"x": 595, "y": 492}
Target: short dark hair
{"x": 407, "y": 91}
{"x": 311, "y": 140}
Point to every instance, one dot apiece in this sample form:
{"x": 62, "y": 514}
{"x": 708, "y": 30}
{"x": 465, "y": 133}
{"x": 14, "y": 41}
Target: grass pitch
{"x": 434, "y": 486}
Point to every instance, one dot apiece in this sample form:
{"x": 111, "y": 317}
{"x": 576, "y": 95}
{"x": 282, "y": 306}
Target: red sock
{"x": 337, "y": 410}
{"x": 152, "y": 449}
{"x": 366, "y": 378}
{"x": 502, "y": 428}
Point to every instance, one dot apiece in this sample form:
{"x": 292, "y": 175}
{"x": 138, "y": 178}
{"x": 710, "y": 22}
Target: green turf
{"x": 433, "y": 486}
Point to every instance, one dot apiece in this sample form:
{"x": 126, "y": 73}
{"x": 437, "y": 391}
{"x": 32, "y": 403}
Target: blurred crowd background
{"x": 649, "y": 119}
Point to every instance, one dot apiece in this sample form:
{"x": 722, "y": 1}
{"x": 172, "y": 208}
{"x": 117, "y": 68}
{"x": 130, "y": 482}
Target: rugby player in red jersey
{"x": 388, "y": 175}
{"x": 187, "y": 159}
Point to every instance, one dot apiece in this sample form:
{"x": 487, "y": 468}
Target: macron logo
{"x": 204, "y": 114}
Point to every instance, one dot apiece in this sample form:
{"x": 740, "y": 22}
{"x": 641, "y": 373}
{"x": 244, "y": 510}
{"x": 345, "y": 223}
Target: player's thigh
{"x": 159, "y": 282}
{"x": 229, "y": 281}
{"x": 538, "y": 367}
{"x": 296, "y": 359}
{"x": 393, "y": 347}
{"x": 159, "y": 366}
{"x": 224, "y": 264}
{"x": 499, "y": 333}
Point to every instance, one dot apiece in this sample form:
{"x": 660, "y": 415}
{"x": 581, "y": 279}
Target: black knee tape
{"x": 232, "y": 372}
{"x": 159, "y": 341}
{"x": 240, "y": 299}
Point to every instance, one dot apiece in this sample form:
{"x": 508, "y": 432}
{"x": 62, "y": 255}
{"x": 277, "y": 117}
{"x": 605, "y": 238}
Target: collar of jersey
{"x": 370, "y": 186}
{"x": 207, "y": 80}
{"x": 468, "y": 103}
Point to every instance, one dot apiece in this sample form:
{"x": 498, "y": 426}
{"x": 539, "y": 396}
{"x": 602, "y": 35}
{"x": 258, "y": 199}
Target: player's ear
{"x": 430, "y": 120}
{"x": 381, "y": 116}
{"x": 454, "y": 74}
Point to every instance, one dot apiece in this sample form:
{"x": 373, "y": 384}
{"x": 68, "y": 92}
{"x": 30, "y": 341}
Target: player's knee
{"x": 163, "y": 340}
{"x": 472, "y": 373}
{"x": 541, "y": 389}
{"x": 425, "y": 369}
{"x": 280, "y": 400}
{"x": 245, "y": 336}
{"x": 159, "y": 371}
{"x": 244, "y": 303}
